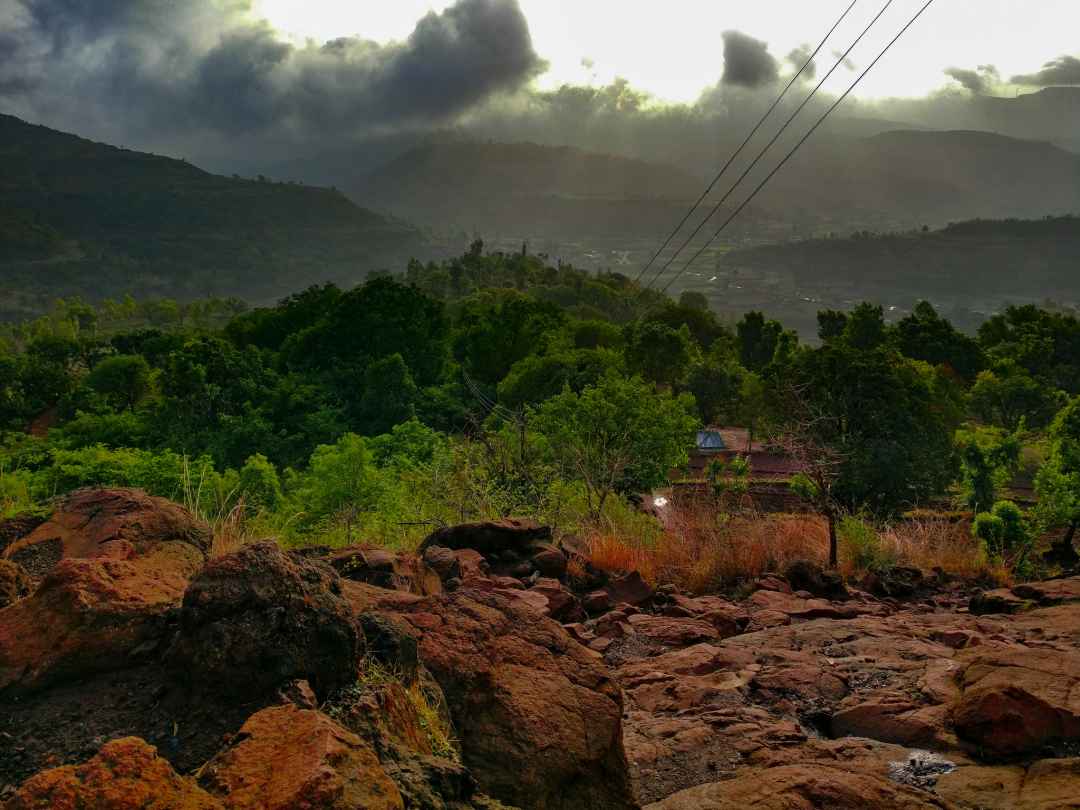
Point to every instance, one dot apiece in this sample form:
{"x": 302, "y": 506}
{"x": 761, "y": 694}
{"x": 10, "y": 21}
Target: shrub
{"x": 1004, "y": 533}
{"x": 862, "y": 548}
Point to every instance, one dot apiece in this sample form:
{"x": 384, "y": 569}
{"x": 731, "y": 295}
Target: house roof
{"x": 710, "y": 440}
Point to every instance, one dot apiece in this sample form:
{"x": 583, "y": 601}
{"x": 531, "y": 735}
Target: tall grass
{"x": 703, "y": 553}
{"x": 701, "y": 550}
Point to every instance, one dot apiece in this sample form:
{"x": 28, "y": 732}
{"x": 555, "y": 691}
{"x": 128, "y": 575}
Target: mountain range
{"x": 83, "y": 218}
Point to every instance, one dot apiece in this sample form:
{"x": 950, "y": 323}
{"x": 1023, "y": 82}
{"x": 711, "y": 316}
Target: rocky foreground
{"x": 136, "y": 673}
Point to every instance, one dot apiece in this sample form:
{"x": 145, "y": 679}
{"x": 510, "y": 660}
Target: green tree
{"x": 618, "y": 436}
{"x": 123, "y": 379}
{"x": 537, "y": 378}
{"x": 496, "y": 329}
{"x": 757, "y": 340}
{"x": 691, "y": 299}
{"x": 717, "y": 385}
{"x": 1008, "y": 396}
{"x": 865, "y": 327}
{"x": 925, "y": 335}
{"x": 259, "y": 483}
{"x": 658, "y": 353}
{"x": 1057, "y": 484}
{"x": 831, "y": 324}
{"x": 342, "y": 484}
{"x": 1046, "y": 344}
{"x": 988, "y": 459}
{"x": 389, "y": 396}
{"x": 890, "y": 419}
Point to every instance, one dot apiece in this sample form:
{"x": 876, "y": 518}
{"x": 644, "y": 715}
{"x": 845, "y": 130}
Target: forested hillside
{"x": 81, "y": 218}
{"x": 495, "y": 384}
{"x": 974, "y": 265}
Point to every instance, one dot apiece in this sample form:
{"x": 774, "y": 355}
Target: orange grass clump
{"x": 703, "y": 551}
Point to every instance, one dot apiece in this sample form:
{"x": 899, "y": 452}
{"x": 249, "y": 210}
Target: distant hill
{"x": 972, "y": 267}
{"x": 527, "y": 189}
{"x": 83, "y": 218}
{"x": 1051, "y": 114}
{"x": 883, "y": 180}
{"x": 927, "y": 177}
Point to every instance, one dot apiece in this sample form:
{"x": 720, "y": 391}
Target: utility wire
{"x": 769, "y": 145}
{"x": 489, "y": 405}
{"x": 798, "y": 146}
{"x": 744, "y": 144}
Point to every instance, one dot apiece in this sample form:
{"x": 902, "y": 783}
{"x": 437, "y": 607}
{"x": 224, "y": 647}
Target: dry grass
{"x": 701, "y": 551}
{"x": 930, "y": 543}
{"x": 230, "y": 531}
{"x": 704, "y": 553}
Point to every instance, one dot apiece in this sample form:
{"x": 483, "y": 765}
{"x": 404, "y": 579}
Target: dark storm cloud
{"x": 210, "y": 65}
{"x": 981, "y": 81}
{"x": 1063, "y": 70}
{"x": 747, "y": 61}
{"x": 799, "y": 57}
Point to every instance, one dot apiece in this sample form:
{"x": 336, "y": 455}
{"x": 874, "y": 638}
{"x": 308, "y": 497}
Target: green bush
{"x": 861, "y": 545}
{"x": 1004, "y": 532}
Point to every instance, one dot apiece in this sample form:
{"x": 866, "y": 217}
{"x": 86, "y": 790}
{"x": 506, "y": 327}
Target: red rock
{"x": 15, "y": 528}
{"x": 800, "y": 787}
{"x": 122, "y": 524}
{"x": 489, "y": 537}
{"x": 1008, "y": 721}
{"x": 286, "y": 758}
{"x": 629, "y": 589}
{"x": 1051, "y": 592}
{"x": 472, "y": 564}
{"x": 596, "y": 602}
{"x": 87, "y": 616}
{"x": 386, "y": 569}
{"x": 772, "y": 583}
{"x": 892, "y": 721}
{"x": 563, "y": 606}
{"x": 443, "y": 561}
{"x": 674, "y": 632}
{"x": 127, "y": 774}
{"x": 549, "y": 561}
{"x": 537, "y": 715}
{"x": 259, "y": 618}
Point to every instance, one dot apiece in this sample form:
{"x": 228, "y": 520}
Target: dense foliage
{"x": 494, "y": 383}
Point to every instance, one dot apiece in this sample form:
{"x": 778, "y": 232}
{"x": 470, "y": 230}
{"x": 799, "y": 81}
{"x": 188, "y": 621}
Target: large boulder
{"x": 490, "y": 537}
{"x": 286, "y": 757}
{"x": 804, "y": 575}
{"x": 127, "y": 774}
{"x": 1009, "y": 721}
{"x": 386, "y": 569}
{"x": 87, "y": 616}
{"x": 1018, "y": 700}
{"x": 119, "y": 524}
{"x": 537, "y": 715}
{"x": 258, "y": 618}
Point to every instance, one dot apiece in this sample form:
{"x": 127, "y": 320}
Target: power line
{"x": 798, "y": 146}
{"x": 489, "y": 405}
{"x": 744, "y": 144}
{"x": 770, "y": 144}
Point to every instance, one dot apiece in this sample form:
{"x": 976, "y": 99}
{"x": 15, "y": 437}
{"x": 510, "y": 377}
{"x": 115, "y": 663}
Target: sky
{"x": 267, "y": 80}
{"x": 673, "y": 49}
